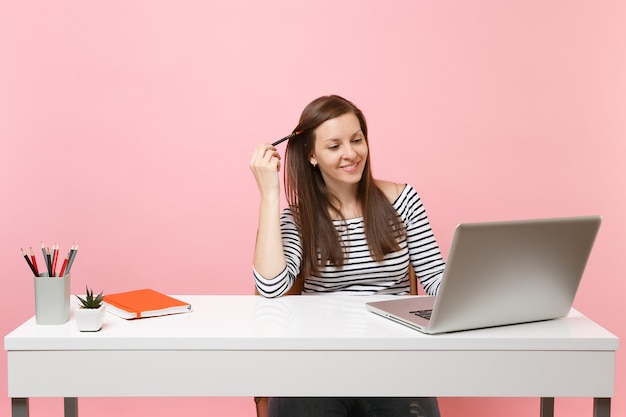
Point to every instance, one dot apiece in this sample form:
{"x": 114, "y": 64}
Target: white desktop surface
{"x": 240, "y": 345}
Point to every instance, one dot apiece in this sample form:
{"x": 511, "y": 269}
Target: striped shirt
{"x": 360, "y": 274}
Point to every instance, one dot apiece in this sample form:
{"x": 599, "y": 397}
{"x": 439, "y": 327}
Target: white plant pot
{"x": 89, "y": 319}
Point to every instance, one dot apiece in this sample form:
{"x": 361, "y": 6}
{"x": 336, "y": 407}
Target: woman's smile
{"x": 351, "y": 168}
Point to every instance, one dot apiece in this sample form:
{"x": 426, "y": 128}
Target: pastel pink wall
{"x": 127, "y": 126}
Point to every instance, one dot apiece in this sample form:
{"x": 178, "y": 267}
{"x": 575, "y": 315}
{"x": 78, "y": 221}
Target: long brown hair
{"x": 310, "y": 200}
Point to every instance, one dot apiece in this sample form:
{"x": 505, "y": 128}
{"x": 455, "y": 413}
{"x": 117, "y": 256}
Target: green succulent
{"x": 90, "y": 301}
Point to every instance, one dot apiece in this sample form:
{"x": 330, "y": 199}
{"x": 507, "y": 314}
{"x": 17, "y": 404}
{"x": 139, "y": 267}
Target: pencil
{"x": 43, "y": 250}
{"x": 72, "y": 256}
{"x": 30, "y": 264}
{"x": 67, "y": 257}
{"x": 286, "y": 138}
{"x": 49, "y": 261}
{"x": 55, "y": 256}
{"x": 46, "y": 257}
{"x": 32, "y": 258}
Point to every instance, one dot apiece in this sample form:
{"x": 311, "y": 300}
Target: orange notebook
{"x": 144, "y": 303}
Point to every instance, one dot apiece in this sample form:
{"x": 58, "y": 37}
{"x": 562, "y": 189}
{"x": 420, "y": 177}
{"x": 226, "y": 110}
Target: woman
{"x": 343, "y": 232}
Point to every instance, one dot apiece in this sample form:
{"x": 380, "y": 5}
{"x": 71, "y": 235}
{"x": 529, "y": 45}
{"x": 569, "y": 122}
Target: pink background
{"x": 127, "y": 126}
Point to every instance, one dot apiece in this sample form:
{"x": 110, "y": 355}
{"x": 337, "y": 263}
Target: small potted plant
{"x": 90, "y": 313}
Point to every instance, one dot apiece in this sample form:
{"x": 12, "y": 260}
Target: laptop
{"x": 501, "y": 273}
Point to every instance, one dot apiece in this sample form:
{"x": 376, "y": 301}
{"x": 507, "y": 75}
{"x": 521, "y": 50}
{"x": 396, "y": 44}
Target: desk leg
{"x": 601, "y": 407}
{"x": 71, "y": 406}
{"x": 19, "y": 407}
{"x": 547, "y": 407}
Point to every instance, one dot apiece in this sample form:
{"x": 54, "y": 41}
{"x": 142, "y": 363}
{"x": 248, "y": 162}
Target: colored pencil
{"x": 30, "y": 264}
{"x": 55, "y": 256}
{"x": 72, "y": 255}
{"x": 67, "y": 258}
{"x": 45, "y": 258}
{"x": 34, "y": 260}
{"x": 49, "y": 260}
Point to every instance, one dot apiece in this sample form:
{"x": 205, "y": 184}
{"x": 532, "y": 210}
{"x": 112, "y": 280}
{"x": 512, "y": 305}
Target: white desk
{"x": 247, "y": 345}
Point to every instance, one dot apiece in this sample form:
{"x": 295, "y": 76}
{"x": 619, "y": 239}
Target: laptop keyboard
{"x": 425, "y": 314}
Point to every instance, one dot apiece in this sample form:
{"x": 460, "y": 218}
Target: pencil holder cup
{"x": 52, "y": 299}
